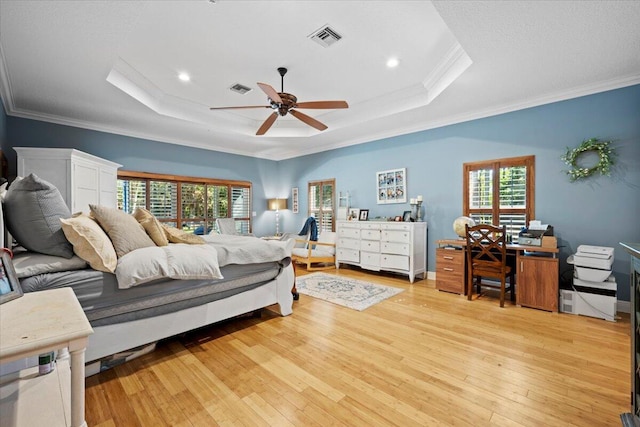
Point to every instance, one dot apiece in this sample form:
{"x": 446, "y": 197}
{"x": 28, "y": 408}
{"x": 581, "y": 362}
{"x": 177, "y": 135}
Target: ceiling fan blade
{"x": 267, "y": 124}
{"x": 308, "y": 120}
{"x": 271, "y": 92}
{"x": 322, "y": 105}
{"x": 239, "y": 108}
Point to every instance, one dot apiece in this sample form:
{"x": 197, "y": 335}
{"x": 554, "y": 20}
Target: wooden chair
{"x": 311, "y": 252}
{"x": 487, "y": 257}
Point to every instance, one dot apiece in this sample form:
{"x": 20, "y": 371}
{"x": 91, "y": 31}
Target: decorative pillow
{"x": 178, "y": 236}
{"x": 173, "y": 261}
{"x": 123, "y": 229}
{"x": 33, "y": 208}
{"x": 151, "y": 225}
{"x": 31, "y": 263}
{"x": 90, "y": 242}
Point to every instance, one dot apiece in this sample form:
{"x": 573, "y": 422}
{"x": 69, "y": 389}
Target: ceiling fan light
{"x": 392, "y": 62}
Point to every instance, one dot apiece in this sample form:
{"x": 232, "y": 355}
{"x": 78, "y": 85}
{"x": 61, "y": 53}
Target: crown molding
{"x": 275, "y": 155}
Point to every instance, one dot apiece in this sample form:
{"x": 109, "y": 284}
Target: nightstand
{"x": 36, "y": 323}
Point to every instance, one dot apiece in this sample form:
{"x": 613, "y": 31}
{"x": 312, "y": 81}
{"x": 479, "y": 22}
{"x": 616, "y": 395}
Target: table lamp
{"x": 277, "y": 205}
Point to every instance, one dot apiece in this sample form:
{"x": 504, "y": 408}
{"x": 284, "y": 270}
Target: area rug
{"x": 351, "y": 293}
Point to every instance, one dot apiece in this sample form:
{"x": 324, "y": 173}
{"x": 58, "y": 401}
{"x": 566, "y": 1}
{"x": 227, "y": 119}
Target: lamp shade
{"x": 276, "y": 204}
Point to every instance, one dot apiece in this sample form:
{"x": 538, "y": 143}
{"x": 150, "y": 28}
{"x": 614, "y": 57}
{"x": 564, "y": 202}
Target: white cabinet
{"x": 387, "y": 246}
{"x": 82, "y": 178}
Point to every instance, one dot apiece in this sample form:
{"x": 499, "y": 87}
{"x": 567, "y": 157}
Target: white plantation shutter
{"x": 321, "y": 203}
{"x": 163, "y": 199}
{"x": 481, "y": 189}
{"x": 240, "y": 206}
{"x": 131, "y": 194}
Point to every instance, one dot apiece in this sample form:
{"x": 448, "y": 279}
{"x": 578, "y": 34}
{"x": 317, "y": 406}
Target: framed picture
{"x": 354, "y": 214}
{"x": 294, "y": 200}
{"x": 406, "y": 216}
{"x": 9, "y": 284}
{"x": 364, "y": 215}
{"x": 392, "y": 186}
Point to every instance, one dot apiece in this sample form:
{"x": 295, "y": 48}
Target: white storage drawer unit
{"x": 348, "y": 255}
{"x": 388, "y": 246}
{"x": 82, "y": 178}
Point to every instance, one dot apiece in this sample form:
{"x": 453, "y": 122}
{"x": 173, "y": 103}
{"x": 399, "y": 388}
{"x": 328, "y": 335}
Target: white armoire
{"x": 81, "y": 178}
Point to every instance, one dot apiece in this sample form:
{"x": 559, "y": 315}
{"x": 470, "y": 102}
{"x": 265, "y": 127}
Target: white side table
{"x": 40, "y": 322}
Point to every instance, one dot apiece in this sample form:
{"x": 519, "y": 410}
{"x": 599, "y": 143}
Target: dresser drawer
{"x": 370, "y": 260}
{"x": 370, "y": 245}
{"x": 396, "y": 236}
{"x": 370, "y": 234}
{"x": 349, "y": 243}
{"x": 396, "y": 262}
{"x": 347, "y": 255}
{"x": 396, "y": 227}
{"x": 396, "y": 248}
{"x": 370, "y": 226}
{"x": 348, "y": 232}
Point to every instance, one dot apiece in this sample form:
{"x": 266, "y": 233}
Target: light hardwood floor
{"x": 420, "y": 358}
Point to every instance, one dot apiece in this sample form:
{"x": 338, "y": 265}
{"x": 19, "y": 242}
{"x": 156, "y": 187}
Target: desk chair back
{"x": 487, "y": 257}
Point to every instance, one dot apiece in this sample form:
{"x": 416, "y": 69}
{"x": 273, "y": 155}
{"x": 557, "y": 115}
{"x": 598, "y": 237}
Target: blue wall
{"x": 597, "y": 211}
{"x": 150, "y": 156}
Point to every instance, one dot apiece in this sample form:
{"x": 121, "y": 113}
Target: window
{"x": 500, "y": 192}
{"x": 190, "y": 203}
{"x": 321, "y": 204}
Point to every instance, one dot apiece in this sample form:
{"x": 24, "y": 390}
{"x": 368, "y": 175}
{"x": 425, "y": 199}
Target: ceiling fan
{"x": 284, "y": 103}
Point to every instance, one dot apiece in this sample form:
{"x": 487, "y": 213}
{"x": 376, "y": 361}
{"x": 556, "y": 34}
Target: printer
{"x": 532, "y": 236}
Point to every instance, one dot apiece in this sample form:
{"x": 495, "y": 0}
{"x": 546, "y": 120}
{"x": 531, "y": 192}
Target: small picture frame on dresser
{"x": 406, "y": 216}
{"x": 364, "y": 215}
{"x": 9, "y": 285}
{"x": 354, "y": 214}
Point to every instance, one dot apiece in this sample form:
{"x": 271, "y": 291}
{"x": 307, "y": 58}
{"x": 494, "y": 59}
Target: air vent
{"x": 325, "y": 36}
{"x": 241, "y": 89}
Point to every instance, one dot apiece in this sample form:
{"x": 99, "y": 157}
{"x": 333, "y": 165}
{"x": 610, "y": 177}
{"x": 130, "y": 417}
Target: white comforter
{"x": 248, "y": 250}
{"x": 181, "y": 261}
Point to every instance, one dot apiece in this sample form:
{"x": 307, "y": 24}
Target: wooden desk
{"x": 537, "y": 276}
{"x": 36, "y": 323}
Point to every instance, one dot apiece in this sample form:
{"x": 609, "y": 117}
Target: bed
{"x": 153, "y": 292}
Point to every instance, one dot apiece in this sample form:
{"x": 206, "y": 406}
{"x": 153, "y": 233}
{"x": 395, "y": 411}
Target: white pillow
{"x": 175, "y": 261}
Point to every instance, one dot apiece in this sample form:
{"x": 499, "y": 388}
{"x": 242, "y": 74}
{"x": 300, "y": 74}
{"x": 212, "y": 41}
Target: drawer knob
{"x": 448, "y": 257}
{"x": 448, "y": 269}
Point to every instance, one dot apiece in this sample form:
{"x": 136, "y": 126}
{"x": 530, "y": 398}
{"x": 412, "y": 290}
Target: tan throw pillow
{"x": 151, "y": 225}
{"x": 123, "y": 229}
{"x": 178, "y": 236}
{"x": 90, "y": 242}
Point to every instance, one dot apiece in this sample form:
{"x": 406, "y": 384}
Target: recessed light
{"x": 184, "y": 77}
{"x": 392, "y": 62}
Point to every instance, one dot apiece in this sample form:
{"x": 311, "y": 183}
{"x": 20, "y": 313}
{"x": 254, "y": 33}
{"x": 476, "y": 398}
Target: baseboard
{"x": 623, "y": 306}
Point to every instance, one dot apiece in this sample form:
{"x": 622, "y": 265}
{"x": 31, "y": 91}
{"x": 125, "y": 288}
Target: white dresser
{"x": 400, "y": 247}
{"x": 81, "y": 178}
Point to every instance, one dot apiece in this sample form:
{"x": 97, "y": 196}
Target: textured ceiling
{"x": 113, "y": 65}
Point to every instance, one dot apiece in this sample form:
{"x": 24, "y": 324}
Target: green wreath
{"x": 604, "y": 150}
